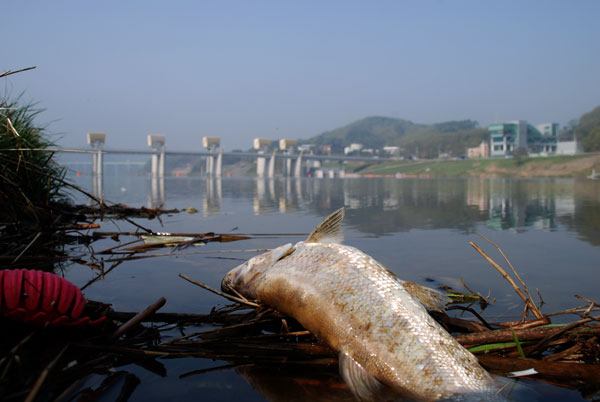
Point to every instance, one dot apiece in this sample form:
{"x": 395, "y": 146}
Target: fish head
{"x": 244, "y": 277}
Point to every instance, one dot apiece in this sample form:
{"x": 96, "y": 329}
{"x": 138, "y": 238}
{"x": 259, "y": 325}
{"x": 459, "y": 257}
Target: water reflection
{"x": 156, "y": 199}
{"x": 283, "y": 195}
{"x": 211, "y": 203}
{"x": 374, "y": 206}
{"x": 98, "y": 186}
{"x": 383, "y": 206}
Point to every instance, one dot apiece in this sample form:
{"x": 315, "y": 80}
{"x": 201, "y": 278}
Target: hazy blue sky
{"x": 282, "y": 69}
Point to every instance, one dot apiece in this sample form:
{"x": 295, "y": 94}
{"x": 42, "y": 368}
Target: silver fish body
{"x": 387, "y": 342}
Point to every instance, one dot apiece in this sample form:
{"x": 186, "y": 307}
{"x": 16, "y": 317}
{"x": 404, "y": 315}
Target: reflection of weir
{"x": 156, "y": 199}
{"x": 211, "y": 204}
{"x": 284, "y": 194}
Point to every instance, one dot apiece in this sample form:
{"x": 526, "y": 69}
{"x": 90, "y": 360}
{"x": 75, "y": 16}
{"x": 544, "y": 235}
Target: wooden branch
{"x": 503, "y": 335}
{"x": 538, "y": 347}
{"x": 513, "y": 269}
{"x": 534, "y": 309}
{"x": 524, "y": 324}
{"x": 43, "y": 375}
{"x": 7, "y": 73}
{"x": 26, "y": 248}
{"x": 587, "y": 373}
{"x": 80, "y": 227}
{"x": 138, "y": 318}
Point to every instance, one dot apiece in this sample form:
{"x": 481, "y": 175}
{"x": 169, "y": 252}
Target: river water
{"x": 419, "y": 229}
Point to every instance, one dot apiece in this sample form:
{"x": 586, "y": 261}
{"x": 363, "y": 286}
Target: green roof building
{"x": 506, "y": 138}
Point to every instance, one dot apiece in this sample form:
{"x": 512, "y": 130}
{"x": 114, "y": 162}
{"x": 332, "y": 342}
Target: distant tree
{"x": 520, "y": 155}
{"x": 572, "y": 124}
{"x": 592, "y": 141}
{"x": 452, "y": 126}
{"x": 337, "y": 146}
{"x": 585, "y": 130}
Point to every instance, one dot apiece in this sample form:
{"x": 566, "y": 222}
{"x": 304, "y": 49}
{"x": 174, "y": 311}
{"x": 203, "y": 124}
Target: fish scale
{"x": 360, "y": 309}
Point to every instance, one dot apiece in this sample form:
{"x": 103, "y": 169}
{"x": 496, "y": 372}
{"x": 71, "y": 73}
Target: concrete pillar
{"x": 288, "y": 146}
{"x": 261, "y": 145}
{"x": 157, "y": 142}
{"x": 161, "y": 162}
{"x": 96, "y": 140}
{"x": 212, "y": 144}
{"x": 209, "y": 165}
{"x": 99, "y": 164}
{"x": 260, "y": 164}
{"x": 154, "y": 165}
{"x": 219, "y": 165}
{"x": 298, "y": 169}
{"x": 272, "y": 164}
{"x": 94, "y": 163}
{"x": 288, "y": 167}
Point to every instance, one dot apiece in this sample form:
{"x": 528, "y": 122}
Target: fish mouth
{"x": 227, "y": 282}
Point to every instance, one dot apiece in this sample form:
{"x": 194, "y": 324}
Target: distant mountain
{"x": 416, "y": 139}
{"x": 372, "y": 132}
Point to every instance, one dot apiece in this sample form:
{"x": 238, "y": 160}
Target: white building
{"x": 568, "y": 148}
{"x": 354, "y": 147}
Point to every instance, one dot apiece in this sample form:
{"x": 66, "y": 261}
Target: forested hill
{"x": 587, "y": 130}
{"x": 423, "y": 140}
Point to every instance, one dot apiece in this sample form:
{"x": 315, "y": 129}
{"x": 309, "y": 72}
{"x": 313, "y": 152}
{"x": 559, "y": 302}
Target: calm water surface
{"x": 419, "y": 229}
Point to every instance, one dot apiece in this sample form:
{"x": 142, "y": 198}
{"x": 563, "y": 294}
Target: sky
{"x": 294, "y": 69}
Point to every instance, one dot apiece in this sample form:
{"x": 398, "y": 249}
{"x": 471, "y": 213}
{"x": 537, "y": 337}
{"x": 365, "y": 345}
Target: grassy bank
{"x": 29, "y": 177}
{"x": 554, "y": 166}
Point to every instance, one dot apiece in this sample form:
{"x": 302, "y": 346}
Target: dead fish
{"x": 389, "y": 346}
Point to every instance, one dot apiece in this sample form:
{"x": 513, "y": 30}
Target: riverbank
{"x": 578, "y": 166}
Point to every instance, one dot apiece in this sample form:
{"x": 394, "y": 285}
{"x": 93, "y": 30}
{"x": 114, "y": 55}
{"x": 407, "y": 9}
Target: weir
{"x": 157, "y": 142}
{"x": 96, "y": 140}
{"x": 212, "y": 144}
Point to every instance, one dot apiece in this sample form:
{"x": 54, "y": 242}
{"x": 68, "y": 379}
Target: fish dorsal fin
{"x": 432, "y": 299}
{"x": 330, "y": 230}
{"x": 363, "y": 384}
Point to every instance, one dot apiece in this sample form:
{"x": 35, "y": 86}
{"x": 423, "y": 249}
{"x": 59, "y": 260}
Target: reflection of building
{"x": 565, "y": 205}
{"x": 520, "y": 204}
{"x": 478, "y": 194}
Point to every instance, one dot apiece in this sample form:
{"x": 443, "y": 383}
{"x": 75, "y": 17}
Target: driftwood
{"x": 557, "y": 371}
